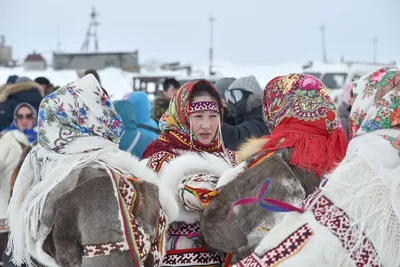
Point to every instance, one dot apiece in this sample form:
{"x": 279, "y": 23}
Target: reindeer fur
{"x": 83, "y": 209}
{"x": 244, "y": 231}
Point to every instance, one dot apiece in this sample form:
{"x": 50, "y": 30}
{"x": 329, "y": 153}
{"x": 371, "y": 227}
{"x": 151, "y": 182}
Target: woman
{"x": 78, "y": 200}
{"x": 133, "y": 141}
{"x": 145, "y": 123}
{"x": 190, "y": 156}
{"x": 354, "y": 219}
{"x": 344, "y": 108}
{"x": 20, "y": 134}
{"x": 23, "y": 91}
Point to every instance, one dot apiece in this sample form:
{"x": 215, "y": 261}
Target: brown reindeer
{"x": 244, "y": 230}
{"x": 66, "y": 223}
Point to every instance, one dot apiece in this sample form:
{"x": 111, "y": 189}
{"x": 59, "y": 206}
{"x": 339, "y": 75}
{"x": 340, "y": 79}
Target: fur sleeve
{"x": 197, "y": 173}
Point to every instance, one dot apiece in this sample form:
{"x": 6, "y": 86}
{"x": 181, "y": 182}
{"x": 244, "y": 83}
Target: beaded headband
{"x": 203, "y": 106}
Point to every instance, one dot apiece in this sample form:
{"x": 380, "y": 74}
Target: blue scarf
{"x": 31, "y": 134}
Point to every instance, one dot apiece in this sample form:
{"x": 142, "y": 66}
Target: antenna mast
{"x": 323, "y": 42}
{"x": 91, "y": 32}
{"x": 375, "y": 41}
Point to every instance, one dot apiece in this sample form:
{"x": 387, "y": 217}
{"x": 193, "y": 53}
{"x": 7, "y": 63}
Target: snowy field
{"x": 118, "y": 82}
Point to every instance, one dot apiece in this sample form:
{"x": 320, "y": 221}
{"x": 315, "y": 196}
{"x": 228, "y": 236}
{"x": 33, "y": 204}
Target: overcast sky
{"x": 246, "y": 31}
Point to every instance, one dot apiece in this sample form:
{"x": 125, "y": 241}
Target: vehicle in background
{"x": 336, "y": 75}
{"x": 153, "y": 84}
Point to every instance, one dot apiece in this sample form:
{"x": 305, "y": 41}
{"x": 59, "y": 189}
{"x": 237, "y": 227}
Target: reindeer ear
{"x": 253, "y": 158}
{"x": 284, "y": 153}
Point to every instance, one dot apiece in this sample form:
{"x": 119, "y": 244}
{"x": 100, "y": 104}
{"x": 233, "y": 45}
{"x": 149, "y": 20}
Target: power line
{"x": 211, "y": 51}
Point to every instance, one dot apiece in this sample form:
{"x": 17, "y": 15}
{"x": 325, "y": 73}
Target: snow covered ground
{"x": 119, "y": 82}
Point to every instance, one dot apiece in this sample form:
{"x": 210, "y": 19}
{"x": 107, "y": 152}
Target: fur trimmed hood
{"x": 253, "y": 101}
{"x": 7, "y": 90}
{"x": 190, "y": 163}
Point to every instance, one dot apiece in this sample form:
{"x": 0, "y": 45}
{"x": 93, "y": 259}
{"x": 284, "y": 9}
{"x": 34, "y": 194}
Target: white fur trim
{"x": 231, "y": 175}
{"x": 20, "y": 137}
{"x": 189, "y": 162}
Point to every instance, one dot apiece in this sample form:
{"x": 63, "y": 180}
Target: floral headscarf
{"x": 377, "y": 104}
{"x": 175, "y": 125}
{"x": 78, "y": 109}
{"x": 301, "y": 115}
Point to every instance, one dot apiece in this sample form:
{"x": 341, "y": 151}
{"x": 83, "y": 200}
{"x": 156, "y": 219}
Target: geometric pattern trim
{"x": 293, "y": 244}
{"x": 339, "y": 224}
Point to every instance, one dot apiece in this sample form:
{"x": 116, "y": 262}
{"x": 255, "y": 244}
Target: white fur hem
{"x": 231, "y": 175}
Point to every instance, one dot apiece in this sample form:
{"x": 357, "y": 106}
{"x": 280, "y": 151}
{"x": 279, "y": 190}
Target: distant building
{"x": 34, "y": 62}
{"x": 125, "y": 61}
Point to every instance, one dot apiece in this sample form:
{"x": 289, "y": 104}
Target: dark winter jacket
{"x": 228, "y": 118}
{"x": 160, "y": 105}
{"x": 344, "y": 117}
{"x": 12, "y": 95}
{"x": 249, "y": 124}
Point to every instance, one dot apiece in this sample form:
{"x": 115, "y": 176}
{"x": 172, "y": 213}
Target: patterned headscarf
{"x": 377, "y": 104}
{"x": 78, "y": 109}
{"x": 301, "y": 115}
{"x": 175, "y": 123}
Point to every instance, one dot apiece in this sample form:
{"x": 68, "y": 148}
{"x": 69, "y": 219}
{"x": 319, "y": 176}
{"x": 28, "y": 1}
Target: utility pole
{"x": 211, "y": 19}
{"x": 323, "y": 42}
{"x": 375, "y": 41}
{"x": 58, "y": 39}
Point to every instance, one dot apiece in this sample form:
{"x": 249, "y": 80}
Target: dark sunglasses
{"x": 24, "y": 116}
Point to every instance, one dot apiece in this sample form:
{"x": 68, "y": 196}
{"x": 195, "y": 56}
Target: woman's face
{"x": 204, "y": 124}
{"x": 24, "y": 118}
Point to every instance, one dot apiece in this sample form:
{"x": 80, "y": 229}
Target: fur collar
{"x": 190, "y": 162}
{"x": 249, "y": 148}
{"x": 7, "y": 90}
{"x": 253, "y": 101}
{"x": 20, "y": 137}
{"x": 14, "y": 136}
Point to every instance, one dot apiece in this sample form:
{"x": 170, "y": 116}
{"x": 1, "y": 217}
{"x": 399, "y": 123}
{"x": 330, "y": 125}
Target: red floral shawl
{"x": 301, "y": 115}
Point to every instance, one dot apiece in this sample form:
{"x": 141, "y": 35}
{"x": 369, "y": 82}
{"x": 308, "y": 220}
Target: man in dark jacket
{"x": 24, "y": 90}
{"x": 244, "y": 98}
{"x": 161, "y": 102}
{"x": 222, "y": 85}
